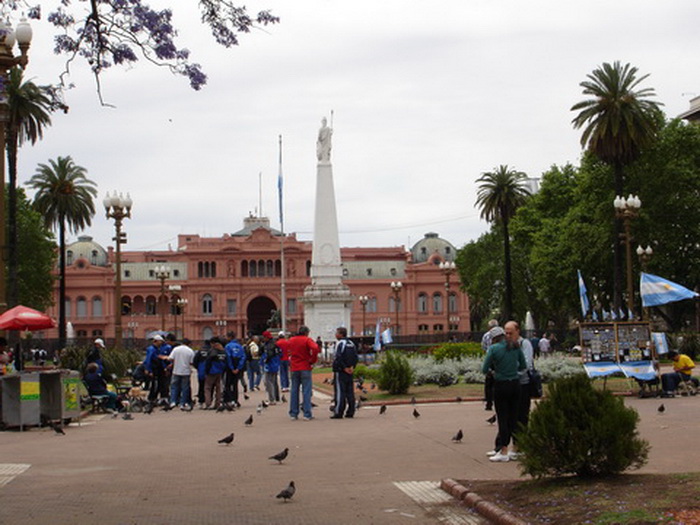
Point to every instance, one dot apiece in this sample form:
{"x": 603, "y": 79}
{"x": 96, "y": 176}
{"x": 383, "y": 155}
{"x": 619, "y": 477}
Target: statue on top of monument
{"x": 323, "y": 144}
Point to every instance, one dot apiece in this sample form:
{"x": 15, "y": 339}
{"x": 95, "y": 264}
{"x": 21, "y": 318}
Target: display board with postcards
{"x": 616, "y": 341}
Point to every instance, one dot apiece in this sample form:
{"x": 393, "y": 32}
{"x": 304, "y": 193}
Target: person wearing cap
{"x": 155, "y": 368}
{"x": 94, "y": 355}
{"x": 284, "y": 364}
{"x": 253, "y": 363}
{"x": 270, "y": 360}
{"x": 506, "y": 359}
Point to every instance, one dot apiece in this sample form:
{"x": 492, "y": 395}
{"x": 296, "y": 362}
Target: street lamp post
{"x": 396, "y": 287}
{"x": 363, "y": 302}
{"x": 627, "y": 209}
{"x": 118, "y": 207}
{"x": 181, "y": 305}
{"x": 448, "y": 268}
{"x": 22, "y": 35}
{"x": 173, "y": 291}
{"x": 162, "y": 273}
{"x": 132, "y": 325}
{"x": 221, "y": 324}
{"x": 644, "y": 255}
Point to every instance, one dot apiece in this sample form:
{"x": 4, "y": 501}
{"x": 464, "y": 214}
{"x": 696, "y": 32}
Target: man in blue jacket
{"x": 155, "y": 364}
{"x": 270, "y": 360}
{"x": 343, "y": 369}
{"x": 235, "y": 364}
{"x": 214, "y": 368}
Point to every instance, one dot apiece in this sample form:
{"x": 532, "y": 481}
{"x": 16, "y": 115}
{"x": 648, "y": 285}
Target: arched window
{"x": 213, "y": 269}
{"x": 244, "y": 269}
{"x": 437, "y": 328}
{"x": 207, "y": 333}
{"x": 81, "y": 307}
{"x": 150, "y": 305}
{"x": 253, "y": 269}
{"x": 261, "y": 268}
{"x": 270, "y": 268}
{"x": 393, "y": 306}
{"x": 423, "y": 328}
{"x": 308, "y": 268}
{"x": 452, "y": 302}
{"x": 207, "y": 304}
{"x": 200, "y": 269}
{"x": 278, "y": 268}
{"x": 422, "y": 304}
{"x": 93, "y": 257}
{"x": 437, "y": 302}
{"x": 69, "y": 257}
{"x": 127, "y": 305}
{"x": 97, "y": 307}
{"x": 372, "y": 304}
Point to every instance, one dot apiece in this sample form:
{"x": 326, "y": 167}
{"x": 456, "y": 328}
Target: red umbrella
{"x": 23, "y": 318}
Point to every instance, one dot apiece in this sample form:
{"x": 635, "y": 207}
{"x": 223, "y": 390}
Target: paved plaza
{"x": 167, "y": 468}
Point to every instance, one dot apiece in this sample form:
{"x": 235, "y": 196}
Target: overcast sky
{"x": 426, "y": 97}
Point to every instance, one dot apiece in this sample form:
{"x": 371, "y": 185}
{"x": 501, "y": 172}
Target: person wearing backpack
{"x": 271, "y": 366}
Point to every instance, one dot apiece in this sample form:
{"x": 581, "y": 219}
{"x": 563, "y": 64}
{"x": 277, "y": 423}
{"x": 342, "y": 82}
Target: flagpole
{"x": 283, "y": 289}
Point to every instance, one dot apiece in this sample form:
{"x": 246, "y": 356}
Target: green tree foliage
{"x": 37, "y": 256}
{"x": 456, "y": 351}
{"x": 395, "y": 373}
{"x": 579, "y": 430}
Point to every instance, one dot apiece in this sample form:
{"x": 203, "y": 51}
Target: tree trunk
{"x": 62, "y": 283}
{"x": 618, "y": 273}
{"x": 508, "y": 308}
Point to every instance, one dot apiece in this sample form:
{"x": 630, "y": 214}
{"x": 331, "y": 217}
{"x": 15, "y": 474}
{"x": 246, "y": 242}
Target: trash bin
{"x": 20, "y": 399}
{"x": 60, "y": 394}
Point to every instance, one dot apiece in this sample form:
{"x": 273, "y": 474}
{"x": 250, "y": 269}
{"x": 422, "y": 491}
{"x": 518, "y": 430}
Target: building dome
{"x": 86, "y": 248}
{"x": 433, "y": 248}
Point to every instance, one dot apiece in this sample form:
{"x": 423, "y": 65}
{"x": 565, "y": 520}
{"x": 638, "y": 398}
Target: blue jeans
{"x": 301, "y": 378}
{"x": 180, "y": 390}
{"x": 284, "y": 374}
{"x": 254, "y": 375}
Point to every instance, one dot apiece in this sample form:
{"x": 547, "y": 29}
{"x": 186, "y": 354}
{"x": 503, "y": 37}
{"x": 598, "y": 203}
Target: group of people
{"x": 508, "y": 364}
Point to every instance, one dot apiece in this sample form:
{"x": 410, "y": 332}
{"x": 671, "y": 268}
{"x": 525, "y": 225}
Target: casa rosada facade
{"x": 216, "y": 285}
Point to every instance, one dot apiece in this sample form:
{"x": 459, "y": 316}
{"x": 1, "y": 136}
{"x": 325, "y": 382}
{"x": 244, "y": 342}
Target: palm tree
{"x": 618, "y": 122}
{"x": 64, "y": 196}
{"x": 28, "y": 106}
{"x": 501, "y": 193}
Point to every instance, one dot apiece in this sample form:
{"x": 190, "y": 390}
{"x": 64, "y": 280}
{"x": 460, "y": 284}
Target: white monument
{"x": 327, "y": 301}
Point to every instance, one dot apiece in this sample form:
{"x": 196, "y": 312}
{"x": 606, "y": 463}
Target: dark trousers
{"x": 231, "y": 381}
{"x": 344, "y": 394}
{"x": 488, "y": 390}
{"x": 160, "y": 385}
{"x": 506, "y": 397}
{"x": 523, "y": 409}
{"x": 200, "y": 390}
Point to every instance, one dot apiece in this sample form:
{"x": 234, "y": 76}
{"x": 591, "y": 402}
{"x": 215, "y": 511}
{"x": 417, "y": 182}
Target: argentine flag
{"x": 657, "y": 290}
{"x": 585, "y": 305}
{"x": 377, "y": 338}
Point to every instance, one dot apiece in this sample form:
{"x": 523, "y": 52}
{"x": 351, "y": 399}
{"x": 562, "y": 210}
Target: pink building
{"x": 233, "y": 283}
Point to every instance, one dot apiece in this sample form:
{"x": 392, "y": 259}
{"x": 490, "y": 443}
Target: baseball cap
{"x": 267, "y": 334}
{"x": 281, "y": 334}
{"x": 158, "y": 337}
{"x": 496, "y": 331}
{"x": 100, "y": 342}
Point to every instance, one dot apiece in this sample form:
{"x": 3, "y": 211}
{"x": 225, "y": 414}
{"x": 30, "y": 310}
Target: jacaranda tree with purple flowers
{"x": 120, "y": 32}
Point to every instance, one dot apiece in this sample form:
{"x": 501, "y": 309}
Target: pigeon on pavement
{"x": 382, "y": 410}
{"x": 280, "y": 456}
{"x": 661, "y": 408}
{"x": 227, "y": 440}
{"x": 413, "y": 400}
{"x": 457, "y": 438}
{"x": 127, "y": 416}
{"x": 58, "y": 429}
{"x": 416, "y": 414}
{"x": 288, "y": 492}
{"x": 491, "y": 420}
{"x": 249, "y": 421}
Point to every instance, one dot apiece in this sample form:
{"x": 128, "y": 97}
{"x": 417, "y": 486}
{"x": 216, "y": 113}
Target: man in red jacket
{"x": 303, "y": 353}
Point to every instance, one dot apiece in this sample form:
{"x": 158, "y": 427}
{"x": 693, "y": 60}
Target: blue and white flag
{"x": 377, "y": 338}
{"x": 386, "y": 336}
{"x": 595, "y": 316}
{"x": 657, "y": 290}
{"x": 630, "y": 315}
{"x": 585, "y": 305}
{"x": 620, "y": 313}
{"x": 280, "y": 186}
{"x": 643, "y": 370}
{"x": 660, "y": 342}
{"x": 606, "y": 315}
{"x": 613, "y": 315}
{"x": 601, "y": 368}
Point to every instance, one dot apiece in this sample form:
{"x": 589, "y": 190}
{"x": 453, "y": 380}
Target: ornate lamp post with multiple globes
{"x": 363, "y": 302}
{"x": 396, "y": 287}
{"x": 181, "y": 305}
{"x": 448, "y": 268}
{"x": 22, "y": 36}
{"x": 162, "y": 273}
{"x": 118, "y": 207}
{"x": 627, "y": 209}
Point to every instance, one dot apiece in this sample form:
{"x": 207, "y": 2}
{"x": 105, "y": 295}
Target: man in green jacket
{"x": 506, "y": 359}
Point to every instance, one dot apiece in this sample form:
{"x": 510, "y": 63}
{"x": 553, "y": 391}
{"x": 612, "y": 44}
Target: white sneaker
{"x": 513, "y": 456}
{"x": 491, "y": 453}
{"x": 499, "y": 457}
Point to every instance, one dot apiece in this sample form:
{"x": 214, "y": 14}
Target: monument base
{"x": 326, "y": 308}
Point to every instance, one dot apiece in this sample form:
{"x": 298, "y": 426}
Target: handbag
{"x": 535, "y": 383}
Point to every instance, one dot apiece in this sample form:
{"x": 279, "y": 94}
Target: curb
{"x": 488, "y": 510}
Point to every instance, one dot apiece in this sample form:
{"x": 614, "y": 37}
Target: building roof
{"x": 252, "y": 223}
{"x": 693, "y": 114}
{"x": 432, "y": 246}
{"x": 86, "y": 248}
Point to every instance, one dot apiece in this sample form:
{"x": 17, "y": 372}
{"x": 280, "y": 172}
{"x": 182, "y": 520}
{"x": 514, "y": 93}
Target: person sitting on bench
{"x": 97, "y": 386}
{"x": 682, "y": 368}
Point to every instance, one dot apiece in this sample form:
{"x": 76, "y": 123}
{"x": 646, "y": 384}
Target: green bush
{"x": 457, "y": 351}
{"x": 579, "y": 430}
{"x": 73, "y": 358}
{"x": 116, "y": 362}
{"x": 688, "y": 344}
{"x": 395, "y": 374}
{"x": 369, "y": 374}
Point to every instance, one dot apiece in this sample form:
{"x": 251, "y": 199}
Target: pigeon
{"x": 363, "y": 398}
{"x": 115, "y": 415}
{"x": 249, "y": 421}
{"x": 325, "y": 381}
{"x": 281, "y": 456}
{"x": 166, "y": 408}
{"x": 220, "y": 408}
{"x": 227, "y": 440}
{"x": 288, "y": 492}
{"x": 314, "y": 405}
{"x": 264, "y": 403}
{"x": 458, "y": 399}
{"x": 58, "y": 429}
{"x": 284, "y": 398}
{"x": 364, "y": 390}
{"x": 259, "y": 409}
{"x": 246, "y": 397}
{"x": 661, "y": 409}
{"x": 228, "y": 407}
{"x": 457, "y": 438}
{"x": 382, "y": 410}
{"x": 148, "y": 409}
{"x": 416, "y": 414}
{"x": 491, "y": 420}
{"x": 413, "y": 400}
{"x": 127, "y": 417}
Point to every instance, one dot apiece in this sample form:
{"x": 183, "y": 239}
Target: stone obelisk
{"x": 327, "y": 301}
